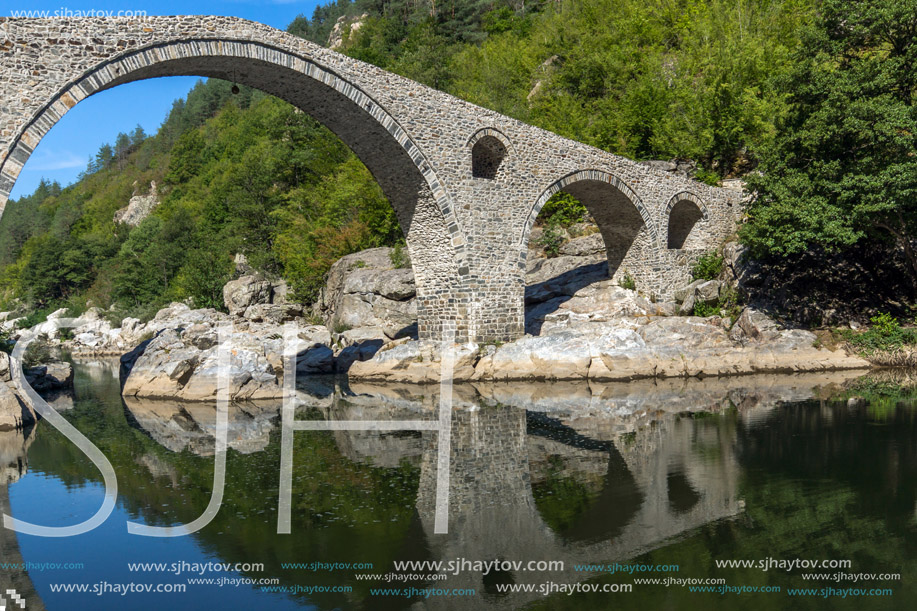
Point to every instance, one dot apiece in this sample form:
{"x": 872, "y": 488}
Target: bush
{"x": 399, "y": 257}
{"x": 562, "y": 209}
{"x": 552, "y": 238}
{"x": 885, "y": 324}
{"x": 728, "y": 305}
{"x": 885, "y": 335}
{"x": 707, "y": 177}
{"x": 707, "y": 267}
{"x": 37, "y": 353}
{"x": 6, "y": 344}
{"x": 628, "y": 282}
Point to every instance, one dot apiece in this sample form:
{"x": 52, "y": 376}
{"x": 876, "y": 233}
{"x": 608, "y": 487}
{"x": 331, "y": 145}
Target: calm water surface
{"x": 657, "y": 475}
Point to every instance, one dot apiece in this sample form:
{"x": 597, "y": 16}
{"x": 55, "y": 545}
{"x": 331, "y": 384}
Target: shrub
{"x": 399, "y": 257}
{"x": 707, "y": 267}
{"x": 885, "y": 335}
{"x": 628, "y": 282}
{"x": 6, "y": 344}
{"x": 552, "y": 238}
{"x": 562, "y": 209}
{"x": 37, "y": 353}
{"x": 885, "y": 324}
{"x": 727, "y": 306}
{"x": 707, "y": 176}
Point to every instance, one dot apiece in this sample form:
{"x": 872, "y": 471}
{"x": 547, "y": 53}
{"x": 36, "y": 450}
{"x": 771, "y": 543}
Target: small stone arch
{"x": 683, "y": 211}
{"x": 489, "y": 149}
{"x": 625, "y": 223}
{"x": 597, "y": 176}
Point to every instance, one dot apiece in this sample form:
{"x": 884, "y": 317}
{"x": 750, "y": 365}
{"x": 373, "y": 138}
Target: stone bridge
{"x": 466, "y": 183}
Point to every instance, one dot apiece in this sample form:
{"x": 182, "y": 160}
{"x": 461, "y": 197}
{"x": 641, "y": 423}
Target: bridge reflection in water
{"x": 644, "y": 477}
{"x": 646, "y": 460}
{"x": 573, "y": 472}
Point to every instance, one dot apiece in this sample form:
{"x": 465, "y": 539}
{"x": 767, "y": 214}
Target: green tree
{"x": 844, "y": 165}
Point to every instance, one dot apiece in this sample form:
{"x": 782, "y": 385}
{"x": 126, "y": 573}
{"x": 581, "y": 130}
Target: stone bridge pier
{"x": 466, "y": 183}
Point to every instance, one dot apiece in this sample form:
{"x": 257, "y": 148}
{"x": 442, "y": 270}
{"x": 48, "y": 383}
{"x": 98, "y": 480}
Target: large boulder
{"x": 244, "y": 292}
{"x": 15, "y": 413}
{"x": 706, "y": 292}
{"x": 754, "y": 325}
{"x": 586, "y": 246}
{"x": 182, "y": 360}
{"x": 365, "y": 289}
{"x": 56, "y": 375}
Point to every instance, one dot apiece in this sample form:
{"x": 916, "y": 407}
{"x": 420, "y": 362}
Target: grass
{"x": 399, "y": 257}
{"x": 885, "y": 343}
{"x": 628, "y": 282}
{"x": 727, "y": 304}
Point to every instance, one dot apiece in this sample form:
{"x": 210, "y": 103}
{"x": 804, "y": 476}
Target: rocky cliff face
{"x": 138, "y": 207}
{"x": 344, "y": 25}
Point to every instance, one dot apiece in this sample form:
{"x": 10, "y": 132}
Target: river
{"x": 567, "y": 486}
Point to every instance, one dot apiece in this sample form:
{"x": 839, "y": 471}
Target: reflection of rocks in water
{"x": 13, "y": 448}
{"x": 60, "y": 401}
{"x": 380, "y": 448}
{"x": 99, "y": 371}
{"x": 192, "y": 426}
{"x": 159, "y": 468}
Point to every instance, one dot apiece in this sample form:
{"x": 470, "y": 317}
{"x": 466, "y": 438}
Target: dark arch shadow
{"x": 486, "y": 156}
{"x": 606, "y": 515}
{"x": 684, "y": 216}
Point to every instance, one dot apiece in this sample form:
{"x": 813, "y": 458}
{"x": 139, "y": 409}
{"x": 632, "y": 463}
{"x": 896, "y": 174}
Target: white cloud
{"x": 50, "y": 161}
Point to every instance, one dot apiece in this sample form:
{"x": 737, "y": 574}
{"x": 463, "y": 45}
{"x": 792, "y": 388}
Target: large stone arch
{"x": 626, "y": 225}
{"x": 421, "y": 202}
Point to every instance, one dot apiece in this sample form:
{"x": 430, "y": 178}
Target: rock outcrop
{"x": 138, "y": 207}
{"x": 181, "y": 359}
{"x": 15, "y": 414}
{"x": 344, "y": 25}
{"x": 625, "y": 348}
{"x": 367, "y": 290}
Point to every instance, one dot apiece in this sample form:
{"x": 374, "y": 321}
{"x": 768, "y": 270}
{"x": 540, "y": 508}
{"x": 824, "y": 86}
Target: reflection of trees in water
{"x": 848, "y": 442}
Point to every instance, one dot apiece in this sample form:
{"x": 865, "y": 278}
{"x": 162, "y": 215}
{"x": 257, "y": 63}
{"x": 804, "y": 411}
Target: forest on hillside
{"x": 713, "y": 81}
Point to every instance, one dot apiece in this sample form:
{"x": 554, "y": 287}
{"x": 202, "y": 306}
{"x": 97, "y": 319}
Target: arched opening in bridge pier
{"x": 683, "y": 216}
{"x": 486, "y": 156}
{"x": 389, "y": 154}
{"x": 583, "y": 231}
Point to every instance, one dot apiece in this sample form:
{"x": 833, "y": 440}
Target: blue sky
{"x": 64, "y": 152}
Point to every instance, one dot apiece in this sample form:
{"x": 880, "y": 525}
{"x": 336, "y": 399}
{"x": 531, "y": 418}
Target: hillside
{"x": 249, "y": 174}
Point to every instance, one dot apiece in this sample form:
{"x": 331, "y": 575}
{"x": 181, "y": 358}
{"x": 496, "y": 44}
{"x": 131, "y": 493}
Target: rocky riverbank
{"x": 579, "y": 325}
